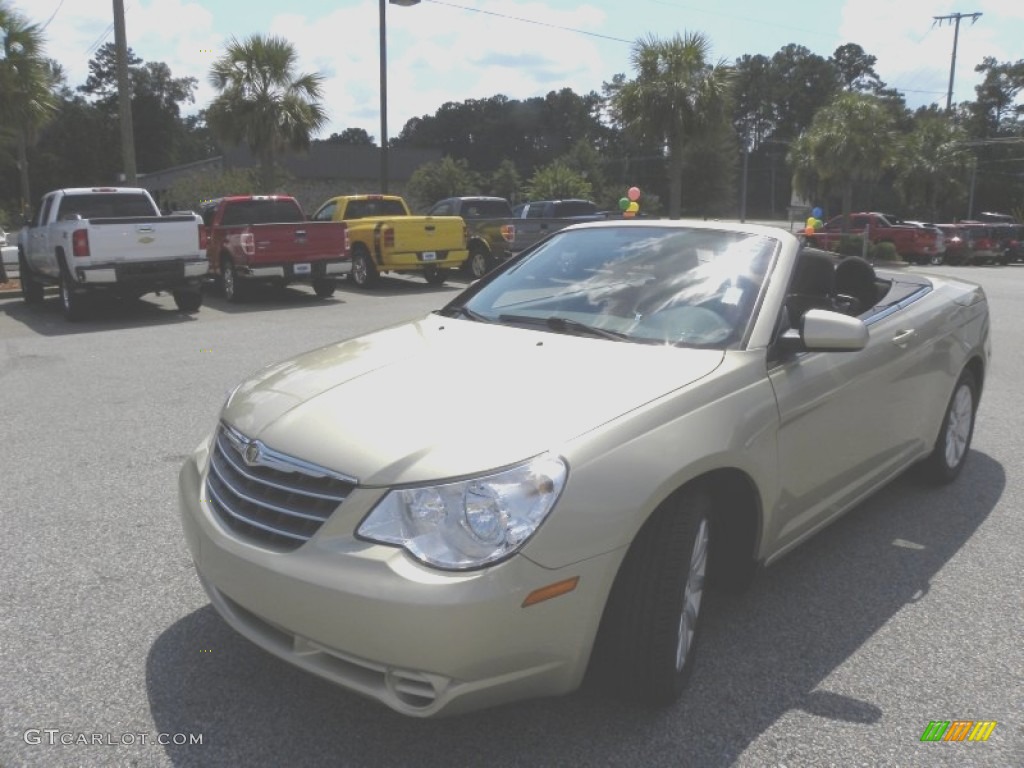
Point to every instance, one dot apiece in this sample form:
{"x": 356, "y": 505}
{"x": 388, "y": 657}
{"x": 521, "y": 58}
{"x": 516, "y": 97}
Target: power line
{"x": 59, "y": 6}
{"x": 533, "y": 21}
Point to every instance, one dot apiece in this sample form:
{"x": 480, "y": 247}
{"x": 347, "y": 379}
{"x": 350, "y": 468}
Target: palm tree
{"x": 263, "y": 102}
{"x": 28, "y": 82}
{"x": 677, "y": 96}
{"x": 849, "y": 141}
{"x": 932, "y": 164}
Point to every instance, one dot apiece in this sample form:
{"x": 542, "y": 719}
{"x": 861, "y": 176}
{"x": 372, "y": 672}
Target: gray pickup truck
{"x": 488, "y": 226}
{"x": 536, "y": 220}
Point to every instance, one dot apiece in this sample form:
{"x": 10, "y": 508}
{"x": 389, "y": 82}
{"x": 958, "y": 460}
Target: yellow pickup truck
{"x": 385, "y": 237}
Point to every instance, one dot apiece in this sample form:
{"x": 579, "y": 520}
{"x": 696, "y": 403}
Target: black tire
{"x": 70, "y": 302}
{"x": 478, "y": 264}
{"x": 234, "y": 288}
{"x": 31, "y": 289}
{"x": 323, "y": 287}
{"x": 654, "y": 602}
{"x": 364, "y": 272}
{"x": 435, "y": 276}
{"x": 936, "y": 259}
{"x": 953, "y": 444}
{"x": 188, "y": 300}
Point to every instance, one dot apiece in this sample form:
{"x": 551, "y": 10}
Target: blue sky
{"x": 452, "y": 50}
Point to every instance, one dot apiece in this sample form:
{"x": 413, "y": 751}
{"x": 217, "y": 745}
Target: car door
{"x": 849, "y": 421}
{"x": 39, "y": 250}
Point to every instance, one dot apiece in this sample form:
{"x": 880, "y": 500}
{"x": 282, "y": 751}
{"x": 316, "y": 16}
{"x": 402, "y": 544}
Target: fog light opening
{"x": 557, "y": 589}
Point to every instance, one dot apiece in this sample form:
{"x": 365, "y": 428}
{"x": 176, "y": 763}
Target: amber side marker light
{"x": 551, "y": 590}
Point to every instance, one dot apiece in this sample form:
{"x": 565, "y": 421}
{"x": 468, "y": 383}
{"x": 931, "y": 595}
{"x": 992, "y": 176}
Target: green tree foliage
{"x": 27, "y": 84}
{"x": 162, "y": 137}
{"x": 849, "y": 141}
{"x": 505, "y": 182}
{"x": 445, "y": 178}
{"x": 855, "y": 69}
{"x": 190, "y": 191}
{"x": 352, "y": 137}
{"x": 931, "y": 165}
{"x": 676, "y": 97}
{"x": 557, "y": 181}
{"x": 263, "y": 101}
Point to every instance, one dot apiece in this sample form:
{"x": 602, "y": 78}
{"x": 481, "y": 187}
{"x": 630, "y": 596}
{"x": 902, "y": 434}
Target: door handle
{"x": 903, "y": 338}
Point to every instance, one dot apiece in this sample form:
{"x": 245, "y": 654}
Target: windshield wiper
{"x": 463, "y": 311}
{"x": 565, "y": 325}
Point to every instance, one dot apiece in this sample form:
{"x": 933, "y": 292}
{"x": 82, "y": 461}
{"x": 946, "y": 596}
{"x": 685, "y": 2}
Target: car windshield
{"x": 658, "y": 285}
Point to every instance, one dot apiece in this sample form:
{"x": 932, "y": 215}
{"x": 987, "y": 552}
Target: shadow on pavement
{"x": 764, "y": 654}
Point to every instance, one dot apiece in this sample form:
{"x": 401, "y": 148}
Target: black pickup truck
{"x": 489, "y": 229}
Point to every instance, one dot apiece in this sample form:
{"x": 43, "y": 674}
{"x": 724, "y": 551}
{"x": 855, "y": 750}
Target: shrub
{"x": 883, "y": 252}
{"x": 850, "y": 245}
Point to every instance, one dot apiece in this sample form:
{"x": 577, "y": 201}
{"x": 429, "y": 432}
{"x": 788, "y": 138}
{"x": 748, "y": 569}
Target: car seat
{"x": 855, "y": 286}
{"x": 813, "y": 285}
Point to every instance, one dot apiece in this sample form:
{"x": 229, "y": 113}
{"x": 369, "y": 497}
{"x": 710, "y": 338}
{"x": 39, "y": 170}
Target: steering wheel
{"x": 847, "y": 304}
{"x": 693, "y": 324}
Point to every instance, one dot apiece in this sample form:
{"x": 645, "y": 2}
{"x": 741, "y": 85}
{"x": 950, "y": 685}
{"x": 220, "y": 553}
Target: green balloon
{"x": 623, "y": 203}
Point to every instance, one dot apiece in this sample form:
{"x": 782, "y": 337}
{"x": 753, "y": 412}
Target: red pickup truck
{"x": 915, "y": 243}
{"x": 267, "y": 238}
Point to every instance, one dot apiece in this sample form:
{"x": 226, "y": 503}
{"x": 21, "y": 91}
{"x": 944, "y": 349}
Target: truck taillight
{"x": 348, "y": 244}
{"x": 465, "y": 233}
{"x": 204, "y": 237}
{"x": 248, "y": 243}
{"x": 389, "y": 237}
{"x": 80, "y": 242}
{"x": 508, "y": 231}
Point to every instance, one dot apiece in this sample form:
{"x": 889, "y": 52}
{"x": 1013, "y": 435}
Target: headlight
{"x": 470, "y": 523}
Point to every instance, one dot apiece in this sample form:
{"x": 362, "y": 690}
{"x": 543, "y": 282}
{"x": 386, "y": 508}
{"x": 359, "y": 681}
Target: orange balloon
{"x": 628, "y": 213}
{"x": 809, "y": 230}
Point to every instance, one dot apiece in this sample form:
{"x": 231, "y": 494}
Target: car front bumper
{"x": 371, "y": 619}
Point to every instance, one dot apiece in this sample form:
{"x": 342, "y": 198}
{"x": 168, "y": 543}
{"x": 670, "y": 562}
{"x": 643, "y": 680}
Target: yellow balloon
{"x": 810, "y": 221}
{"x": 633, "y": 207}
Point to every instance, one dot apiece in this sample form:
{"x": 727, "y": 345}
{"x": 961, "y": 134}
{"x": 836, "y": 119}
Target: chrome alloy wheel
{"x": 692, "y": 594}
{"x": 958, "y": 427}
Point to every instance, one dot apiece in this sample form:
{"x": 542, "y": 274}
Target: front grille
{"x": 268, "y": 498}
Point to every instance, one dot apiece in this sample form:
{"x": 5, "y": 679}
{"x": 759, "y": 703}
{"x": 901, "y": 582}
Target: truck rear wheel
{"x": 435, "y": 276}
{"x": 478, "y": 263}
{"x": 364, "y": 273}
{"x": 31, "y": 290}
{"x": 323, "y": 287}
{"x": 70, "y": 302}
{"x": 233, "y": 288}
{"x": 188, "y": 299}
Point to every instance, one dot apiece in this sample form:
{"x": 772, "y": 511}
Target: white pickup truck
{"x": 111, "y": 239}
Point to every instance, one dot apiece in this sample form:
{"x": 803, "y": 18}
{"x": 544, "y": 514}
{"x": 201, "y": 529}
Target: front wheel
{"x": 651, "y": 623}
{"x": 31, "y": 289}
{"x": 954, "y": 441}
{"x": 435, "y": 276}
{"x": 188, "y": 300}
{"x": 323, "y": 287}
{"x": 935, "y": 260}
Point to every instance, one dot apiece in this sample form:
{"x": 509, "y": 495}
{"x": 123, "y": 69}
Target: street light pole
{"x": 384, "y": 172}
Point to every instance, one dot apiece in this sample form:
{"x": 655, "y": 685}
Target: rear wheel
{"x": 954, "y": 440}
{"x": 233, "y": 287}
{"x": 323, "y": 287}
{"x": 364, "y": 273}
{"x": 31, "y": 290}
{"x": 70, "y": 301}
{"x": 935, "y": 259}
{"x": 651, "y": 624}
{"x": 188, "y": 299}
{"x": 435, "y": 276}
{"x": 478, "y": 263}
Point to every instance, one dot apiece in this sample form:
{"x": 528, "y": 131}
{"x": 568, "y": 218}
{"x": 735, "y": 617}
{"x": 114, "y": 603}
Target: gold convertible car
{"x": 651, "y": 408}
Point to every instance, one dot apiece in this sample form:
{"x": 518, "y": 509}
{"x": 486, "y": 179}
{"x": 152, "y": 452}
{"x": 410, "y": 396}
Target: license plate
{"x": 429, "y": 255}
{"x": 302, "y": 269}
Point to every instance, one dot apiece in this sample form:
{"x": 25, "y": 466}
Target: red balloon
{"x": 634, "y": 193}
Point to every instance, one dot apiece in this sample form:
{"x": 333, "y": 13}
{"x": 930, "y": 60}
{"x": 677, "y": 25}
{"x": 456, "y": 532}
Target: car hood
{"x": 441, "y": 398}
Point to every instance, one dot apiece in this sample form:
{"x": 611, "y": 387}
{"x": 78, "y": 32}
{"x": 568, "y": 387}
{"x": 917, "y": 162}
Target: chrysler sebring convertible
{"x": 649, "y": 411}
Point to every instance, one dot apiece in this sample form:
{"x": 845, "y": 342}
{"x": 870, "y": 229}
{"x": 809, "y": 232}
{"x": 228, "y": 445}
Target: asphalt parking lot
{"x": 910, "y": 609}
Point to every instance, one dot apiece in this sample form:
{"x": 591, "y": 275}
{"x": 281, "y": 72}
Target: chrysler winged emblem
{"x": 252, "y": 454}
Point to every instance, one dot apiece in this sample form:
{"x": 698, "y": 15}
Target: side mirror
{"x": 825, "y": 331}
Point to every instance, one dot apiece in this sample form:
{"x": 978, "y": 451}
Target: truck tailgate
{"x": 307, "y": 241}
{"x": 428, "y": 233}
{"x": 149, "y": 238}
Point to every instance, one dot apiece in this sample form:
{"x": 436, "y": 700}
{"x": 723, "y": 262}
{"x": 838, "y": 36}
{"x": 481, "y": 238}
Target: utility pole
{"x": 955, "y": 18}
{"x": 124, "y": 97}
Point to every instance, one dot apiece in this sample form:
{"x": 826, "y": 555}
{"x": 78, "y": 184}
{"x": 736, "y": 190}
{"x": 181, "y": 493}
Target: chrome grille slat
{"x": 242, "y": 470}
{"x": 270, "y": 499}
